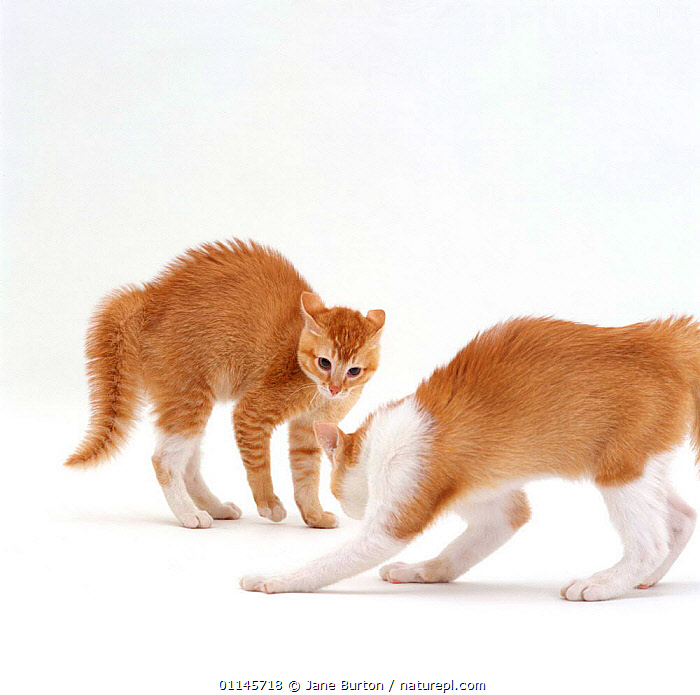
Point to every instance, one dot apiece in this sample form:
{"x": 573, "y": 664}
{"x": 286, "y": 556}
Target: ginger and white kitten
{"x": 527, "y": 399}
{"x": 226, "y": 321}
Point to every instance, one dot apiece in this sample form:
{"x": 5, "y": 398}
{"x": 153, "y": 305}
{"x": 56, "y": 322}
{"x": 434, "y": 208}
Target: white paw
{"x": 228, "y": 510}
{"x": 266, "y": 585}
{"x": 390, "y": 572}
{"x": 591, "y": 589}
{"x": 276, "y": 513}
{"x": 198, "y": 519}
{"x": 418, "y": 573}
{"x": 654, "y": 578}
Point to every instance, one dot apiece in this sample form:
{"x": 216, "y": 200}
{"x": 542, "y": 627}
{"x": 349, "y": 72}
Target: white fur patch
{"x": 354, "y": 492}
{"x": 175, "y": 453}
{"x": 393, "y": 457}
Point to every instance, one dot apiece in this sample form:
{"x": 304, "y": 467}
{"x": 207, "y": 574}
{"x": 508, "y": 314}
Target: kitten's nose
{"x": 333, "y": 389}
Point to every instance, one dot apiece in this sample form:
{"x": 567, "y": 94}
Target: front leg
{"x": 253, "y": 426}
{"x": 305, "y": 459}
{"x": 369, "y": 549}
{"x": 491, "y": 524}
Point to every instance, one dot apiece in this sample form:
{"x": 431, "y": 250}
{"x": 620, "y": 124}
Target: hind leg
{"x": 638, "y": 510}
{"x": 681, "y": 523}
{"x": 181, "y": 419}
{"x": 173, "y": 452}
{"x": 202, "y": 495}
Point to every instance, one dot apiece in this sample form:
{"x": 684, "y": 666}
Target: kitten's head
{"x": 348, "y": 475}
{"x": 338, "y": 348}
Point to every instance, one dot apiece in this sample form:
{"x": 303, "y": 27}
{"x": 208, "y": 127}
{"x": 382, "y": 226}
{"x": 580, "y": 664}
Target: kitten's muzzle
{"x": 332, "y": 393}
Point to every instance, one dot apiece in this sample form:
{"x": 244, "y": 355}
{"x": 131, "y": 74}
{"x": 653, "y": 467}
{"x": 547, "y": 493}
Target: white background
{"x": 454, "y": 163}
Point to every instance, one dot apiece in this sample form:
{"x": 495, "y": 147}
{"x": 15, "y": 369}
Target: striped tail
{"x": 113, "y": 368}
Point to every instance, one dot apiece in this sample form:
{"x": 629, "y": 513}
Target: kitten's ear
{"x": 330, "y": 437}
{"x": 376, "y": 317}
{"x": 311, "y": 307}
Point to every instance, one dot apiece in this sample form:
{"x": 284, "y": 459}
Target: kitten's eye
{"x": 324, "y": 363}
{"x": 354, "y": 371}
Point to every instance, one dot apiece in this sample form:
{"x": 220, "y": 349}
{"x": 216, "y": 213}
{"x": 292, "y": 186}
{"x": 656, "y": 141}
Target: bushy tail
{"x": 695, "y": 425}
{"x": 113, "y": 368}
{"x": 693, "y": 343}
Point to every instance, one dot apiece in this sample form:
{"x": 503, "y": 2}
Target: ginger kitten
{"x": 226, "y": 321}
{"x": 526, "y": 399}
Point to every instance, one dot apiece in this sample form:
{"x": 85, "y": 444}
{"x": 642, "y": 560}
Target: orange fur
{"x": 112, "y": 353}
{"x": 224, "y": 322}
{"x": 519, "y": 513}
{"x": 162, "y": 474}
{"x": 538, "y": 397}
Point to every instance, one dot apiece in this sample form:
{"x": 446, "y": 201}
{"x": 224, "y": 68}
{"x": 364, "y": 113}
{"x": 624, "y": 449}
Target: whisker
{"x": 306, "y": 386}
